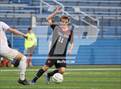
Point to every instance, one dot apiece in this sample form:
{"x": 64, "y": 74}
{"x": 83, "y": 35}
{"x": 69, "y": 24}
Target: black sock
{"x": 52, "y": 73}
{"x": 38, "y": 75}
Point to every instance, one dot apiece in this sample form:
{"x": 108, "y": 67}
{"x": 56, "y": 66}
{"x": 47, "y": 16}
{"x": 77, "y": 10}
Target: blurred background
{"x": 96, "y": 23}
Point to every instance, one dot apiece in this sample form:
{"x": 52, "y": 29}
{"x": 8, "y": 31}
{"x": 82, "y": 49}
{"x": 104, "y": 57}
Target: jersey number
{"x": 61, "y": 39}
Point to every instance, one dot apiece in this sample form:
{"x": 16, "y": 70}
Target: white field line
{"x": 84, "y": 69}
{"x": 40, "y": 87}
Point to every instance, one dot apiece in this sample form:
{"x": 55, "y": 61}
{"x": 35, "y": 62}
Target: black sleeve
{"x": 72, "y": 37}
{"x": 53, "y": 26}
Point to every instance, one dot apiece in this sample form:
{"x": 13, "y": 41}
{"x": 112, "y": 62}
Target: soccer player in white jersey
{"x": 18, "y": 59}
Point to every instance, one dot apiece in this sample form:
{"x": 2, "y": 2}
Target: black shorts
{"x": 57, "y": 61}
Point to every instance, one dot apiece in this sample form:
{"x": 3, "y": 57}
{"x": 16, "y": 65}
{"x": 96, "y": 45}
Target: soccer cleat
{"x": 23, "y": 82}
{"x": 32, "y": 82}
{"x": 47, "y": 78}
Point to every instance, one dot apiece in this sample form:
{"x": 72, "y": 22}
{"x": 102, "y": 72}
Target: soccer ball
{"x": 57, "y": 78}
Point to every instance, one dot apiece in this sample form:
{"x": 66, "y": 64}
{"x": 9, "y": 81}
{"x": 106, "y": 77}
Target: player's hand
{"x": 58, "y": 9}
{"x": 69, "y": 51}
{"x": 25, "y": 36}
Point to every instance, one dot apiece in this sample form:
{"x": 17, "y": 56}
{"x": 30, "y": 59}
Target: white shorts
{"x": 7, "y": 52}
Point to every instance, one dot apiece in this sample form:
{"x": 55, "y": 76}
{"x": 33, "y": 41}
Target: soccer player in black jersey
{"x": 61, "y": 39}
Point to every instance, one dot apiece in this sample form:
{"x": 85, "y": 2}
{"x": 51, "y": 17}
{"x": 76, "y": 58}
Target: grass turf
{"x": 84, "y": 77}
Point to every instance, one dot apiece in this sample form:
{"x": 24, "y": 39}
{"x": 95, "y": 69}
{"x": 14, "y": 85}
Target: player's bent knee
{"x": 15, "y": 62}
{"x": 17, "y": 59}
{"x": 62, "y": 70}
{"x": 19, "y": 56}
{"x": 45, "y": 68}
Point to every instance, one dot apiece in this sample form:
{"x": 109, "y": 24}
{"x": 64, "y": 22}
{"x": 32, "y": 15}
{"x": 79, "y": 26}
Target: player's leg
{"x": 19, "y": 61}
{"x": 48, "y": 64}
{"x": 30, "y": 53}
{"x": 49, "y": 75}
{"x": 22, "y": 68}
{"x": 39, "y": 73}
{"x": 29, "y": 60}
{"x": 60, "y": 68}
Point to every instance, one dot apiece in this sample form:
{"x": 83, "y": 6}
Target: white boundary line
{"x": 82, "y": 69}
{"x": 38, "y": 87}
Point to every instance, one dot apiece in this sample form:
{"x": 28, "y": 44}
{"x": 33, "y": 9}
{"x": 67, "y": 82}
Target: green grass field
{"x": 76, "y": 77}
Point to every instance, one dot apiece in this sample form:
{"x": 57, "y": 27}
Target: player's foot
{"x": 33, "y": 82}
{"x": 47, "y": 78}
{"x": 23, "y": 82}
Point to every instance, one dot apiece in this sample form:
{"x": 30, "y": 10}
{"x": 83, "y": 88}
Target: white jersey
{"x": 3, "y": 40}
{"x": 5, "y": 51}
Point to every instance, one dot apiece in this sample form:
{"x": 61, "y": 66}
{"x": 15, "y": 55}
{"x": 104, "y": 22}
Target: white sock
{"x": 22, "y": 68}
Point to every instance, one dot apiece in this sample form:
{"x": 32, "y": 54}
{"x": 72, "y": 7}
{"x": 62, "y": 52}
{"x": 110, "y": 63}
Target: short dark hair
{"x": 64, "y": 17}
{"x": 29, "y": 28}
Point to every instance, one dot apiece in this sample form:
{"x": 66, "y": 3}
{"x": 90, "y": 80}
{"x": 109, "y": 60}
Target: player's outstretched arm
{"x": 50, "y": 17}
{"x": 16, "y": 32}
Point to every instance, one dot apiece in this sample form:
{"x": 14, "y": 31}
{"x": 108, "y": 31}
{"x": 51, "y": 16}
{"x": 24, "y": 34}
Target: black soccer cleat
{"x": 23, "y": 82}
{"x": 32, "y": 82}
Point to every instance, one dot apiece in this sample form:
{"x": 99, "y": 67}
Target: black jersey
{"x": 60, "y": 40}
